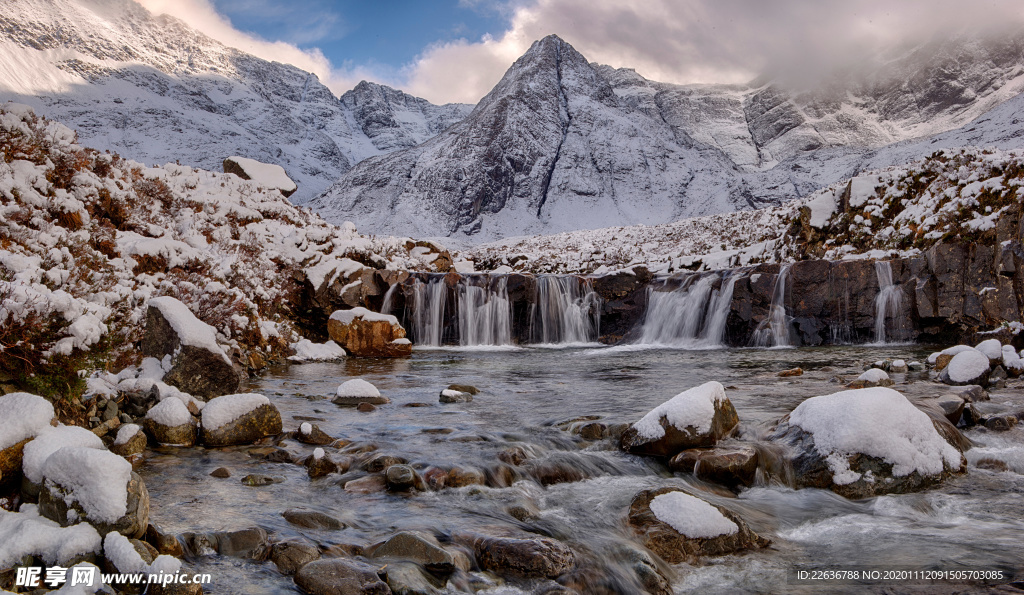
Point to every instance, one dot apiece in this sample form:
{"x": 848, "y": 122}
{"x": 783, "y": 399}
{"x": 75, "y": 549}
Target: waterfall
{"x": 888, "y": 303}
{"x": 389, "y": 299}
{"x": 429, "y": 301}
{"x": 839, "y": 326}
{"x": 566, "y": 310}
{"x": 485, "y": 313}
{"x": 692, "y": 316}
{"x": 774, "y": 330}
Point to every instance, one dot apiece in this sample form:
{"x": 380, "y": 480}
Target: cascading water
{"x": 566, "y": 310}
{"x": 389, "y": 299}
{"x": 888, "y": 304}
{"x": 692, "y": 316}
{"x": 774, "y": 330}
{"x": 485, "y": 313}
{"x": 429, "y": 300}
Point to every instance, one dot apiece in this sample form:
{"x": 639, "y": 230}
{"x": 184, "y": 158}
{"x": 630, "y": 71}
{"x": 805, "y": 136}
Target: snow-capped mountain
{"x": 158, "y": 91}
{"x": 561, "y": 144}
{"x": 551, "y": 146}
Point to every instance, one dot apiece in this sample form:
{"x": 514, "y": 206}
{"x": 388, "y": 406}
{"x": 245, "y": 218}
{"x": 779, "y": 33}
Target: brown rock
{"x": 338, "y": 576}
{"x": 136, "y": 445}
{"x": 319, "y": 467}
{"x": 289, "y": 556}
{"x": 164, "y": 543}
{"x": 221, "y": 473}
{"x": 527, "y": 557}
{"x": 791, "y": 372}
{"x": 315, "y": 436}
{"x": 381, "y": 462}
{"x": 458, "y": 478}
{"x": 183, "y": 435}
{"x": 366, "y": 407}
{"x": 312, "y": 520}
{"x": 723, "y": 424}
{"x": 264, "y": 420}
{"x": 367, "y": 485}
{"x": 365, "y": 334}
{"x": 942, "y": 361}
{"x": 417, "y": 547}
{"x": 731, "y": 467}
{"x": 676, "y": 548}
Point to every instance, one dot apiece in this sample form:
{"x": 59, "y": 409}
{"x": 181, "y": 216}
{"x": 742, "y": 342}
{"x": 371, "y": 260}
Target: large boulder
{"x": 699, "y": 417}
{"x": 338, "y": 576}
{"x": 97, "y": 486}
{"x": 239, "y": 419}
{"x": 866, "y": 442}
{"x": 199, "y": 365}
{"x": 45, "y": 444}
{"x": 417, "y": 547}
{"x": 268, "y": 175}
{"x": 681, "y": 527}
{"x": 22, "y": 417}
{"x": 368, "y": 334}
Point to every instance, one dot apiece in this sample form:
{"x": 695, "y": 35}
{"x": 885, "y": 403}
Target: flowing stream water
{"x": 975, "y": 521}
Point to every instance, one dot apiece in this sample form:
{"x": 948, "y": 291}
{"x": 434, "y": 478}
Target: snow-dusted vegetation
{"x": 88, "y": 238}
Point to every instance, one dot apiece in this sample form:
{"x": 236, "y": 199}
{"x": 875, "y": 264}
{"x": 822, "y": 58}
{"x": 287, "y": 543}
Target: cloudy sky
{"x": 456, "y": 50}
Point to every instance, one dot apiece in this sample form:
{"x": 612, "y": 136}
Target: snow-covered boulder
{"x": 941, "y": 359}
{"x": 267, "y": 175}
{"x": 899, "y": 367}
{"x": 1012, "y": 362}
{"x": 866, "y": 442}
{"x": 95, "y": 486}
{"x": 681, "y": 527}
{"x": 239, "y": 419}
{"x": 26, "y": 533}
{"x": 130, "y": 441}
{"x": 307, "y": 351}
{"x": 992, "y": 349}
{"x": 699, "y": 417}
{"x": 450, "y": 395}
{"x": 170, "y": 423}
{"x": 48, "y": 442}
{"x": 872, "y": 377}
{"x": 22, "y": 417}
{"x": 967, "y": 367}
{"x": 352, "y": 393}
{"x": 199, "y": 365}
{"x": 368, "y": 334}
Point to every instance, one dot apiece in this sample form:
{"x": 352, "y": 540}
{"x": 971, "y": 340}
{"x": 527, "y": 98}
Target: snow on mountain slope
{"x": 550, "y": 147}
{"x": 560, "y": 144}
{"x": 154, "y": 89}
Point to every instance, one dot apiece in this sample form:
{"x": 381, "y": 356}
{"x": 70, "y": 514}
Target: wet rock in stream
{"x": 339, "y": 576}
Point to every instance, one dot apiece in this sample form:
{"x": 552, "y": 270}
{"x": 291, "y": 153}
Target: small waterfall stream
{"x": 774, "y": 330}
{"x": 692, "y": 316}
{"x": 477, "y": 311}
{"x": 888, "y": 304}
{"x": 566, "y": 310}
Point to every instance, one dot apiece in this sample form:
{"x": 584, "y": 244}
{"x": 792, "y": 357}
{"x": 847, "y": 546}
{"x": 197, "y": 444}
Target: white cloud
{"x": 678, "y": 41}
{"x": 201, "y": 15}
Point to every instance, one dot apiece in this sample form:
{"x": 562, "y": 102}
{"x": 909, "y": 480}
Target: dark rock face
{"x": 338, "y": 576}
{"x": 194, "y": 370}
{"x": 623, "y": 302}
{"x": 673, "y": 546}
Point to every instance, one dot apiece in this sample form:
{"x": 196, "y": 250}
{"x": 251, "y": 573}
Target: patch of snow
{"x": 119, "y": 551}
{"x": 878, "y": 422}
{"x": 223, "y": 410}
{"x": 23, "y": 415}
{"x": 265, "y": 174}
{"x": 50, "y": 441}
{"x": 968, "y": 365}
{"x": 318, "y": 453}
{"x": 190, "y": 330}
{"x": 874, "y": 375}
{"x": 95, "y": 479}
{"x": 308, "y": 351}
{"x": 691, "y": 516}
{"x": 992, "y": 348}
{"x": 357, "y": 387}
{"x": 26, "y": 533}
{"x": 347, "y": 316}
{"x": 305, "y": 428}
{"x": 170, "y": 413}
{"x": 125, "y": 433}
{"x": 693, "y": 408}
